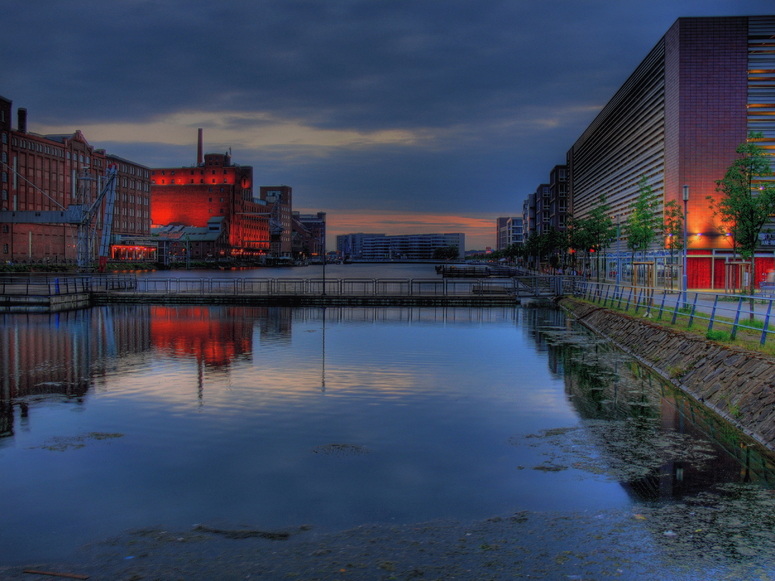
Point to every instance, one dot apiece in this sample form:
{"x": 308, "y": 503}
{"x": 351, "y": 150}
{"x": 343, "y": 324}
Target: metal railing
{"x": 521, "y": 286}
{"x": 328, "y": 286}
{"x": 63, "y": 285}
{"x": 517, "y": 286}
{"x": 714, "y": 310}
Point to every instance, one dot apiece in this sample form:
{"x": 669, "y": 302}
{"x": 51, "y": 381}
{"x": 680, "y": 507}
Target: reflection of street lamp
{"x": 323, "y": 376}
{"x": 324, "y": 272}
{"x": 684, "y": 279}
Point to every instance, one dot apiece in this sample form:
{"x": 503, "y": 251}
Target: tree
{"x": 643, "y": 222}
{"x": 595, "y": 232}
{"x": 747, "y": 200}
{"x": 672, "y": 227}
{"x": 446, "y": 253}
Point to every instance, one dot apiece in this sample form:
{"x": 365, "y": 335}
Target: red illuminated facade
{"x": 677, "y": 120}
{"x": 215, "y": 187}
{"x": 45, "y": 173}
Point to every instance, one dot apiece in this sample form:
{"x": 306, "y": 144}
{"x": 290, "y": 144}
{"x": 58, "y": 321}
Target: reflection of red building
{"x": 212, "y": 335}
{"x": 214, "y": 187}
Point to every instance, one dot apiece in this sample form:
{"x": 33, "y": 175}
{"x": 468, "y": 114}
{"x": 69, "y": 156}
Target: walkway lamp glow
{"x": 684, "y": 280}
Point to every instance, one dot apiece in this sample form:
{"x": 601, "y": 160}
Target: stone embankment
{"x": 738, "y": 385}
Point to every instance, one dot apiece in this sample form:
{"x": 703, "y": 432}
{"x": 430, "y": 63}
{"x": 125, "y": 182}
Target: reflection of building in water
{"x": 57, "y": 354}
{"x": 215, "y": 336}
{"x": 645, "y": 421}
{"x": 276, "y": 324}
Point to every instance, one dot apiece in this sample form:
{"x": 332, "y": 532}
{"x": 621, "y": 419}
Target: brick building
{"x": 48, "y": 174}
{"x": 214, "y": 187}
{"x": 677, "y": 120}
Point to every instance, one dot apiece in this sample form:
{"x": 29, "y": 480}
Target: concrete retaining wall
{"x": 739, "y": 385}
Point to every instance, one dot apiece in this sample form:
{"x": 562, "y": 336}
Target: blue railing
{"x": 733, "y": 312}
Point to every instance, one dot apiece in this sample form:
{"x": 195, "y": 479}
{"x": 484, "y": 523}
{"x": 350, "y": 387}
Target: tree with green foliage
{"x": 672, "y": 227}
{"x": 644, "y": 222}
{"x": 594, "y": 233}
{"x": 446, "y": 253}
{"x": 747, "y": 200}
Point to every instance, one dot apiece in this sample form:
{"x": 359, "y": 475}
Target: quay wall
{"x": 738, "y": 385}
{"x": 44, "y": 303}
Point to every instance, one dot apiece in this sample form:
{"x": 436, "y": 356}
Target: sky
{"x": 392, "y": 116}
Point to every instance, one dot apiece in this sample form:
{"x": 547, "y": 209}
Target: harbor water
{"x": 122, "y": 417}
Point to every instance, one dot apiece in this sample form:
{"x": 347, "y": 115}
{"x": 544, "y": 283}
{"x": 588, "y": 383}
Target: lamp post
{"x": 324, "y": 267}
{"x": 684, "y": 279}
{"x": 618, "y": 252}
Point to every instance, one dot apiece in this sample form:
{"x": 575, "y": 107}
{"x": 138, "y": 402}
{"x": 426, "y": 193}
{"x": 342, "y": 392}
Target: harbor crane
{"x": 80, "y": 215}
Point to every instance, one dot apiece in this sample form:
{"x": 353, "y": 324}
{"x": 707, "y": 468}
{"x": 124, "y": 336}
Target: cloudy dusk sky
{"x": 393, "y": 116}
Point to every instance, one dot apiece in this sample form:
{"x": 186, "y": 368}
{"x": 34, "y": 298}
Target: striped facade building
{"x": 707, "y": 84}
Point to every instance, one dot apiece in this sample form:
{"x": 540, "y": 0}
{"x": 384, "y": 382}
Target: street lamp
{"x": 684, "y": 279}
{"x": 618, "y": 252}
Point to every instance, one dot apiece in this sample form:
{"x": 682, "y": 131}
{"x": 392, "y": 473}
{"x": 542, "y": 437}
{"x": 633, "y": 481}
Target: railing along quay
{"x": 728, "y": 313}
{"x": 362, "y": 291}
{"x": 55, "y": 293}
{"x": 83, "y": 291}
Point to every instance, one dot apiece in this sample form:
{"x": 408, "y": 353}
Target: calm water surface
{"x": 132, "y": 416}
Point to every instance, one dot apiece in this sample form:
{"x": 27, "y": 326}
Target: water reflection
{"x": 657, "y": 441}
{"x": 460, "y": 413}
{"x": 64, "y": 354}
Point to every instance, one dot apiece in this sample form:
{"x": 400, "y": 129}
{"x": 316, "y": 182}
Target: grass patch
{"x": 716, "y": 335}
{"x": 747, "y": 339}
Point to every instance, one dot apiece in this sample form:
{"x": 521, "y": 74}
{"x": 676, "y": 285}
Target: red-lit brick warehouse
{"x": 214, "y": 187}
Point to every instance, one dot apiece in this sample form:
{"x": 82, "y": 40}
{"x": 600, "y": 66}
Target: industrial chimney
{"x": 199, "y": 154}
{"x": 22, "y": 115}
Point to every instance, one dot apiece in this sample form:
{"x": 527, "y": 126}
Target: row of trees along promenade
{"x": 746, "y": 204}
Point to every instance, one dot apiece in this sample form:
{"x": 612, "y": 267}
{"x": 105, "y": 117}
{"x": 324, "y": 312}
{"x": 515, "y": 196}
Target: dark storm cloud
{"x": 356, "y": 64}
{"x": 492, "y": 92}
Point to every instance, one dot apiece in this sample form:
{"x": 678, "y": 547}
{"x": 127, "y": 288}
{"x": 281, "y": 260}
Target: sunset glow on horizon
{"x": 479, "y": 230}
